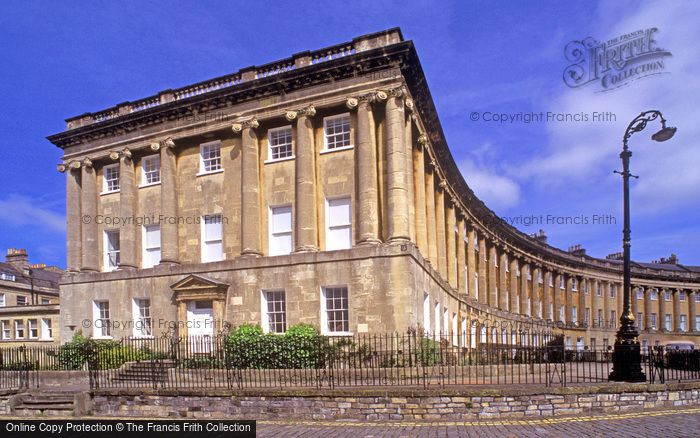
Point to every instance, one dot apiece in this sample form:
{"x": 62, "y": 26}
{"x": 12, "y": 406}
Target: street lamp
{"x": 627, "y": 361}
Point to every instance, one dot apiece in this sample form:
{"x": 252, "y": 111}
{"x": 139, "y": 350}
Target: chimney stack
{"x": 18, "y": 258}
{"x": 577, "y": 250}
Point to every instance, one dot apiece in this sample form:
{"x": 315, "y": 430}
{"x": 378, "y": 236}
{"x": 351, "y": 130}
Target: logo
{"x": 616, "y": 62}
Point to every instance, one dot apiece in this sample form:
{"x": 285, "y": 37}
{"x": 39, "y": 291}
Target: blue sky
{"x": 64, "y": 59}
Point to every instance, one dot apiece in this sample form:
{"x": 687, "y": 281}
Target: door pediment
{"x": 198, "y": 287}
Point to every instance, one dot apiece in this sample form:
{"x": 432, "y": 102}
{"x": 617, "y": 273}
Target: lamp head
{"x": 664, "y": 134}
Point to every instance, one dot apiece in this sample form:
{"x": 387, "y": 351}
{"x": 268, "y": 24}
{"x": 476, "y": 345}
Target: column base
{"x": 251, "y": 253}
{"x": 169, "y": 262}
{"x": 399, "y": 239}
{"x": 306, "y": 248}
{"x": 88, "y": 269}
{"x": 127, "y": 267}
{"x": 369, "y": 241}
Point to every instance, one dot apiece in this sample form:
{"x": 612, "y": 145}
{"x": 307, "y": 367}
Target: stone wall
{"x": 397, "y": 403}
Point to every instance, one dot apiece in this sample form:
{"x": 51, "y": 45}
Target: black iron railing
{"x": 481, "y": 356}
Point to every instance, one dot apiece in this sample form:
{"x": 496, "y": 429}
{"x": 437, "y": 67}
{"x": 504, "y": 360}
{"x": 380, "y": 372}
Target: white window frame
{"x": 270, "y": 152}
{"x": 265, "y": 310}
{"x": 326, "y": 149}
{"x": 19, "y": 326}
{"x": 436, "y": 319}
{"x": 683, "y": 319}
{"x": 145, "y": 174}
{"x": 329, "y": 227}
{"x": 667, "y": 322}
{"x": 46, "y": 329}
{"x": 143, "y": 321}
{"x": 6, "y": 329}
{"x": 24, "y": 300}
{"x": 681, "y": 296}
{"x": 3, "y": 303}
{"x": 101, "y": 327}
{"x": 654, "y": 295}
{"x": 324, "y": 311}
{"x": 148, "y": 254}
{"x": 106, "y": 256}
{"x": 654, "y": 321}
{"x": 276, "y": 236}
{"x": 106, "y": 182}
{"x": 203, "y": 163}
{"x": 206, "y": 242}
{"x": 33, "y": 328}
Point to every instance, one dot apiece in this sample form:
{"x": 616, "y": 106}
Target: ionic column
{"x": 502, "y": 281}
{"x": 419, "y": 193}
{"x": 127, "y": 208}
{"x": 662, "y": 310}
{"x": 471, "y": 263}
{"x": 305, "y": 232}
{"x": 73, "y": 216}
{"x": 692, "y": 311}
{"x": 483, "y": 290}
{"x": 395, "y": 154}
{"x": 493, "y": 280}
{"x": 461, "y": 256}
{"x": 451, "y": 245}
{"x": 441, "y": 232}
{"x": 408, "y": 141}
{"x": 169, "y": 252}
{"x": 535, "y": 281}
{"x": 569, "y": 299}
{"x": 513, "y": 287}
{"x": 524, "y": 268}
{"x": 647, "y": 309}
{"x": 88, "y": 207}
{"x": 430, "y": 213}
{"x": 546, "y": 300}
{"x": 606, "y": 305}
{"x": 250, "y": 188}
{"x": 677, "y": 310}
{"x": 594, "y": 303}
{"x": 367, "y": 182}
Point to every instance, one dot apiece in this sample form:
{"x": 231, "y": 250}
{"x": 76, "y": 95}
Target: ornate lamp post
{"x": 627, "y": 366}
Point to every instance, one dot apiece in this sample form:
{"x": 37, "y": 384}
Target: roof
{"x": 41, "y": 277}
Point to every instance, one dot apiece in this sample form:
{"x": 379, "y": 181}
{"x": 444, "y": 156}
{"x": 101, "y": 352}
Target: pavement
{"x": 666, "y": 423}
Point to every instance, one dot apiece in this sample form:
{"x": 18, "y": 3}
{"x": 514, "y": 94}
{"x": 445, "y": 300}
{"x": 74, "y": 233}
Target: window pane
{"x": 281, "y": 219}
{"x": 339, "y": 212}
{"x": 212, "y": 227}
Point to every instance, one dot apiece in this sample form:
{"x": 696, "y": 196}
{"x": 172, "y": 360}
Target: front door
{"x": 200, "y": 325}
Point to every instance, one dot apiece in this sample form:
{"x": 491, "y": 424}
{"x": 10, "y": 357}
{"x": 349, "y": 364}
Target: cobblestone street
{"x": 666, "y": 423}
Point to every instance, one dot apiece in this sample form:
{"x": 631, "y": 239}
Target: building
{"x": 29, "y": 300}
{"x": 318, "y": 189}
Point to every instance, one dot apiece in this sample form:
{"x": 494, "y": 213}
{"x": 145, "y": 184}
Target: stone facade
{"x": 421, "y": 250}
{"x": 397, "y": 404}
{"x": 29, "y": 301}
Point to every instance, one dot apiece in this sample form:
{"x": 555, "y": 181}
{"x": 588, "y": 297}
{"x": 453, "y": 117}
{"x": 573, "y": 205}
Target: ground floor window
{"x": 335, "y": 312}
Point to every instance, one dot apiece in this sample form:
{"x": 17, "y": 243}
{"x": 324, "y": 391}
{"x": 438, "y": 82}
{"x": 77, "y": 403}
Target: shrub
{"x": 107, "y": 354}
{"x": 247, "y": 346}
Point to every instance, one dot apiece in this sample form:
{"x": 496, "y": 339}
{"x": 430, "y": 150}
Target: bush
{"x": 107, "y": 354}
{"x": 302, "y": 346}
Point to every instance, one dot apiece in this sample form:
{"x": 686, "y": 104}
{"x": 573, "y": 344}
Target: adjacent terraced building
{"x": 319, "y": 189}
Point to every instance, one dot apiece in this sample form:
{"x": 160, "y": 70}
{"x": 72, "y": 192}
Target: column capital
{"x": 398, "y": 91}
{"x": 168, "y": 143}
{"x": 61, "y": 167}
{"x": 408, "y": 103}
{"x": 114, "y": 155}
{"x": 422, "y": 140}
{"x": 87, "y": 162}
{"x": 155, "y": 146}
{"x": 252, "y": 123}
{"x": 308, "y": 111}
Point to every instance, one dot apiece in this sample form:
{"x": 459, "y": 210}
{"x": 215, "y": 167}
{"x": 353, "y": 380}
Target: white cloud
{"x": 496, "y": 190}
{"x": 21, "y": 211}
{"x": 586, "y": 152}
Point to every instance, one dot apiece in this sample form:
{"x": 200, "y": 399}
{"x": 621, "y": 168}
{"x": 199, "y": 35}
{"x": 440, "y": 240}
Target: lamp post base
{"x": 627, "y": 362}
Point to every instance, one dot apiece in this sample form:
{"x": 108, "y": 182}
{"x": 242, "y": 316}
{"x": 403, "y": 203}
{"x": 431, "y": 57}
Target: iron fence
{"x": 484, "y": 356}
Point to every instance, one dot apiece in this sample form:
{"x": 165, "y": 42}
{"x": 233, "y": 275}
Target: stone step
{"x": 47, "y": 400}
